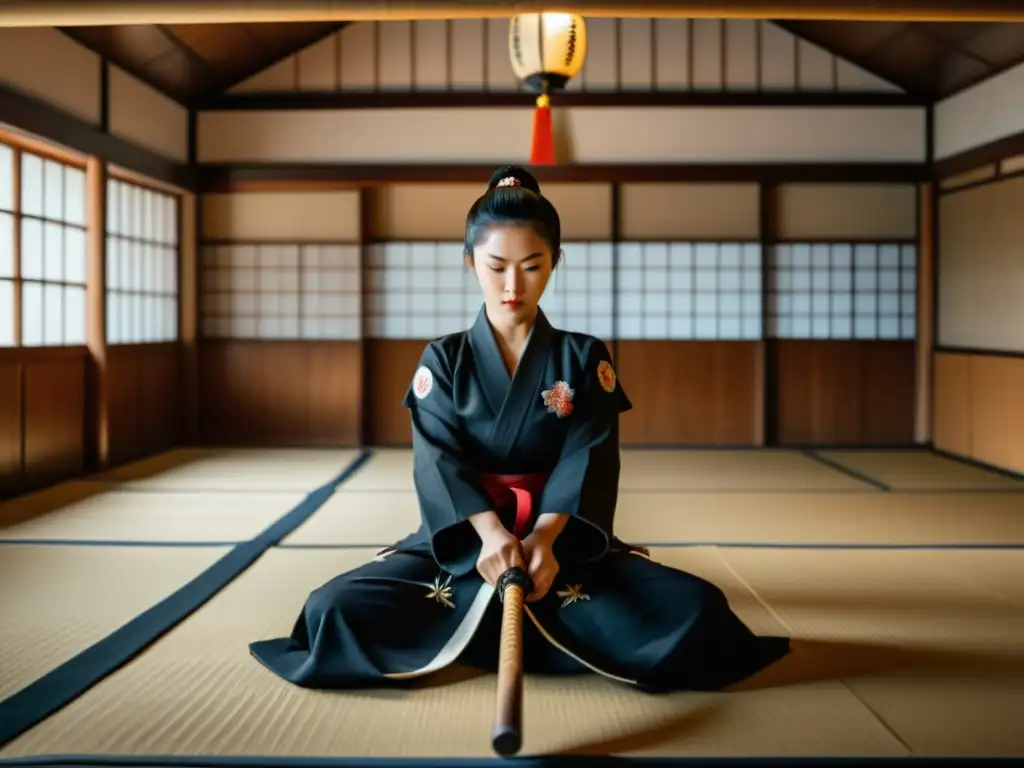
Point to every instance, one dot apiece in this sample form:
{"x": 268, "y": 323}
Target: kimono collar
{"x": 510, "y": 396}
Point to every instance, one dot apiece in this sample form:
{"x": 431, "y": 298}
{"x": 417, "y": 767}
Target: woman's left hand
{"x": 541, "y": 564}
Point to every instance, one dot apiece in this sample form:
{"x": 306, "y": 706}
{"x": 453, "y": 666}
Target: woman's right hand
{"x": 500, "y": 551}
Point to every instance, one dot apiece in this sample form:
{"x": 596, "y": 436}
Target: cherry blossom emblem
{"x": 606, "y": 375}
{"x": 422, "y": 382}
{"x": 558, "y": 399}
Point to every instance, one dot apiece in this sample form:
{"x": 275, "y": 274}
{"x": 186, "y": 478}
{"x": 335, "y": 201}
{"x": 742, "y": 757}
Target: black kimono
{"x": 421, "y": 605}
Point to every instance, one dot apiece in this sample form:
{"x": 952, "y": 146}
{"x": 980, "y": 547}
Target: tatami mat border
{"x": 847, "y": 471}
{"x": 552, "y": 761}
{"x": 56, "y": 689}
{"x": 117, "y": 543}
{"x": 737, "y": 545}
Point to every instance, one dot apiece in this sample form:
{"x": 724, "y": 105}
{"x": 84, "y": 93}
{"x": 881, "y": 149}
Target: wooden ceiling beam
{"x": 50, "y": 13}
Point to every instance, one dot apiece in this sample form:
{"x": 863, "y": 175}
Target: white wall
{"x": 986, "y": 112}
{"x": 594, "y": 134}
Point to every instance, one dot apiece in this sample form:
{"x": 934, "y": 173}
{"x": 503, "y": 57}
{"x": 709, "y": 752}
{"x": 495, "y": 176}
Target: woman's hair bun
{"x": 513, "y": 175}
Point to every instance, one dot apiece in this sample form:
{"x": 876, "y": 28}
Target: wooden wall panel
{"x": 979, "y": 411}
{"x": 951, "y": 421}
{"x": 691, "y": 392}
{"x": 42, "y": 424}
{"x": 844, "y": 392}
{"x": 287, "y": 393}
{"x": 145, "y": 400}
{"x": 390, "y": 365}
{"x": 10, "y": 426}
{"x": 997, "y": 411}
{"x": 835, "y": 212}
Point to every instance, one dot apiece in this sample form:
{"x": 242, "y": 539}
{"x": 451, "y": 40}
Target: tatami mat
{"x": 726, "y": 471}
{"x": 916, "y": 470}
{"x": 897, "y": 652}
{"x": 654, "y": 470}
{"x": 380, "y": 518}
{"x": 198, "y": 691}
{"x": 56, "y": 601}
{"x": 960, "y": 688}
{"x": 234, "y": 469}
{"x": 156, "y": 516}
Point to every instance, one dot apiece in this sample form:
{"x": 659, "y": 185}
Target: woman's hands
{"x": 540, "y": 564}
{"x": 500, "y": 550}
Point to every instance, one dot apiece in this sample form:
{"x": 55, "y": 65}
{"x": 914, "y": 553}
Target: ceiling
{"x": 929, "y": 59}
{"x": 192, "y": 62}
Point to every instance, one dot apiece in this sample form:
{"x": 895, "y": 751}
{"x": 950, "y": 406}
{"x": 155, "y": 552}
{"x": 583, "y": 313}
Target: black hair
{"x": 513, "y": 197}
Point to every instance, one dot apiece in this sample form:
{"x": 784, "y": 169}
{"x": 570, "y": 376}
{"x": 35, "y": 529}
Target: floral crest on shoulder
{"x": 606, "y": 376}
{"x": 422, "y": 382}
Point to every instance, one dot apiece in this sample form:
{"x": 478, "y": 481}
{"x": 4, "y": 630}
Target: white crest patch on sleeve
{"x": 422, "y": 382}
{"x": 606, "y": 375}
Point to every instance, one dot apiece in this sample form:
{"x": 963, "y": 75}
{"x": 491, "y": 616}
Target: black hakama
{"x": 421, "y": 605}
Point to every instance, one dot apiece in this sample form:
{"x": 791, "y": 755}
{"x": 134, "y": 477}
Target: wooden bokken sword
{"x": 513, "y": 587}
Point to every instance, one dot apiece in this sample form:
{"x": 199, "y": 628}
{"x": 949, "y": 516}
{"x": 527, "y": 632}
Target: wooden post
{"x": 97, "y": 438}
{"x": 925, "y": 314}
{"x": 188, "y": 317}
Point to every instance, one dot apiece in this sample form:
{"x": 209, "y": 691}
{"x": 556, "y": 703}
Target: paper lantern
{"x": 547, "y": 51}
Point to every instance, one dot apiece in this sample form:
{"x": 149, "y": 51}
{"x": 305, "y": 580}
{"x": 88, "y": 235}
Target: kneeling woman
{"x": 516, "y": 462}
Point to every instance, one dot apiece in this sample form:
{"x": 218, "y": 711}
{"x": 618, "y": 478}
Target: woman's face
{"x": 513, "y": 265}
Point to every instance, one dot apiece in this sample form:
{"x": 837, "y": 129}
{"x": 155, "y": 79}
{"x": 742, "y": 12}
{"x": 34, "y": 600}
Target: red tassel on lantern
{"x": 542, "y": 152}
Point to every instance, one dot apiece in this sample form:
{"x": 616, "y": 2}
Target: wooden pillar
{"x": 188, "y": 315}
{"x": 97, "y": 440}
{"x": 367, "y": 212}
{"x": 767, "y": 406}
{"x": 925, "y": 313}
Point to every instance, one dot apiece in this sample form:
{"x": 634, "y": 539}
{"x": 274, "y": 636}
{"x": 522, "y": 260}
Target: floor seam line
{"x": 877, "y": 717}
{"x": 764, "y": 603}
{"x": 848, "y": 471}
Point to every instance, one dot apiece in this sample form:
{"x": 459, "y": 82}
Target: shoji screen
{"x": 42, "y": 250}
{"x": 842, "y": 305}
{"x": 142, "y": 264}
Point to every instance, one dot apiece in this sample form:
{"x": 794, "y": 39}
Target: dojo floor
{"x": 900, "y": 574}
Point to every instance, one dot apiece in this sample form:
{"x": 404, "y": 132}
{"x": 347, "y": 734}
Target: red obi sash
{"x": 518, "y": 490}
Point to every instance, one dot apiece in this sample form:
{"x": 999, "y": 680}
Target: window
{"x": 647, "y": 291}
{"x": 142, "y": 264}
{"x": 7, "y": 273}
{"x": 419, "y": 290}
{"x": 688, "y": 291}
{"x": 270, "y": 291}
{"x": 580, "y": 296}
{"x": 843, "y": 291}
{"x": 42, "y": 250}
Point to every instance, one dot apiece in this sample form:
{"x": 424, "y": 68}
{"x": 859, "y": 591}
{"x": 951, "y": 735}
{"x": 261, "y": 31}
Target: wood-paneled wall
{"x": 844, "y": 392}
{"x": 390, "y": 364}
{"x": 280, "y": 393}
{"x": 684, "y": 391}
{"x": 145, "y": 404}
{"x": 42, "y": 407}
{"x": 979, "y": 408}
{"x": 692, "y": 392}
